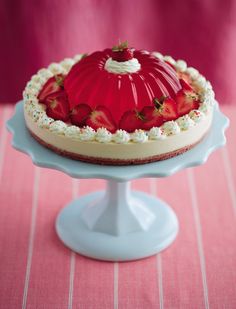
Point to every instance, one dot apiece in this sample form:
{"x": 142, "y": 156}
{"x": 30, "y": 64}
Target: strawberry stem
{"x": 120, "y": 47}
{"x": 159, "y": 102}
{"x": 59, "y": 80}
{"x": 139, "y": 115}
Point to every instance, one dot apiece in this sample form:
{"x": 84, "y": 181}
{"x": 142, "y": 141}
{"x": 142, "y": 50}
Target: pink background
{"x": 36, "y": 270}
{"x": 35, "y": 33}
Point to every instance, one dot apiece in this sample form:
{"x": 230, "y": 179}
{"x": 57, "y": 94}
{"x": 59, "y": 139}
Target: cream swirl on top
{"x": 156, "y": 133}
{"x": 87, "y": 134}
{"x": 121, "y": 137}
{"x": 130, "y": 66}
{"x": 58, "y": 126}
{"x": 72, "y": 131}
{"x": 185, "y": 122}
{"x": 139, "y": 136}
{"x": 171, "y": 128}
{"x": 196, "y": 115}
{"x": 103, "y": 135}
{"x": 44, "y": 121}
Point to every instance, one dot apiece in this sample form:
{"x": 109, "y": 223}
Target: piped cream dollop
{"x": 58, "y": 127}
{"x": 121, "y": 137}
{"x": 171, "y": 128}
{"x": 56, "y": 68}
{"x": 130, "y": 66}
{"x": 72, "y": 131}
{"x": 36, "y": 114}
{"x": 156, "y": 133}
{"x": 87, "y": 134}
{"x": 139, "y": 136}
{"x": 67, "y": 63}
{"x": 205, "y": 108}
{"x": 103, "y": 135}
{"x": 44, "y": 121}
{"x": 185, "y": 122}
{"x": 196, "y": 115}
{"x": 181, "y": 65}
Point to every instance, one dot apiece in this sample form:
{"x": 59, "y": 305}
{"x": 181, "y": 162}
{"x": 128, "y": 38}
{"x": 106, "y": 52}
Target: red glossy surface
{"x": 88, "y": 82}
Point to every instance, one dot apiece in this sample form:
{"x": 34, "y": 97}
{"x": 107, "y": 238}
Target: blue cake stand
{"x": 118, "y": 224}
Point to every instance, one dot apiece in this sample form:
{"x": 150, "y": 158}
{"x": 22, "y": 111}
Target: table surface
{"x": 197, "y": 271}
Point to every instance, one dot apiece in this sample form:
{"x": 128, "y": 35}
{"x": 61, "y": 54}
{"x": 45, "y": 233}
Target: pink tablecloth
{"x": 197, "y": 271}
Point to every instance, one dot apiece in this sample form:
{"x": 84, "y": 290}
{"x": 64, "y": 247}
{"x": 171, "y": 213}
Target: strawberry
{"x": 152, "y": 117}
{"x": 131, "y": 120}
{"x": 79, "y": 114}
{"x": 121, "y": 52}
{"x": 124, "y": 55}
{"x": 101, "y": 118}
{"x": 186, "y": 101}
{"x": 54, "y": 84}
{"x": 185, "y": 85}
{"x": 167, "y": 108}
{"x": 58, "y": 106}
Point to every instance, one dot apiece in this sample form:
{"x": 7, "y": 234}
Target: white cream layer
{"x": 127, "y": 151}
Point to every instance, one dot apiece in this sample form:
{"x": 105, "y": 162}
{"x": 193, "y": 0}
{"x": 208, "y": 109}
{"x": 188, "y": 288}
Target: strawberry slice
{"x": 167, "y": 108}
{"x": 152, "y": 117}
{"x": 53, "y": 85}
{"x": 186, "y": 101}
{"x": 58, "y": 106}
{"x": 79, "y": 114}
{"x": 101, "y": 118}
{"x": 185, "y": 85}
{"x": 131, "y": 120}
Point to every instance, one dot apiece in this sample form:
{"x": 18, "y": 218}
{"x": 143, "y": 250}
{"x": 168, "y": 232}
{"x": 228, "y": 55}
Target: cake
{"x": 119, "y": 106}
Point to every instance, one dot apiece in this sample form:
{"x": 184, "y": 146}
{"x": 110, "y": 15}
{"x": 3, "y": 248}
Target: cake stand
{"x": 118, "y": 224}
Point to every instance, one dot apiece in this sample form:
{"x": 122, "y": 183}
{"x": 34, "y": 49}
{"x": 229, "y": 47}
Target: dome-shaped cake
{"x": 119, "y": 106}
{"x": 95, "y": 82}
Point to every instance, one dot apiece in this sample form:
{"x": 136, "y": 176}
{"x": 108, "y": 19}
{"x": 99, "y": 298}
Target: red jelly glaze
{"x": 88, "y": 82}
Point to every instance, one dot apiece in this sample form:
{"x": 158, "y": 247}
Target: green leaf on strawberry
{"x": 122, "y": 52}
{"x": 167, "y": 107}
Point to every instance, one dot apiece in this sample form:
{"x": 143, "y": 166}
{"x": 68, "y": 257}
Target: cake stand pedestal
{"x": 117, "y": 224}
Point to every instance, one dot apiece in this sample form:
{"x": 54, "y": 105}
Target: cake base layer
{"x": 108, "y": 161}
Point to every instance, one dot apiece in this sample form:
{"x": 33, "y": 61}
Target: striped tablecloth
{"x": 197, "y": 271}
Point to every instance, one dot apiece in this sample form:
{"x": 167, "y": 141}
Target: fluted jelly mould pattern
{"x": 37, "y": 111}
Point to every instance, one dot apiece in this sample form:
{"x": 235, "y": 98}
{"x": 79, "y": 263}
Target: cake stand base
{"x": 117, "y": 225}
